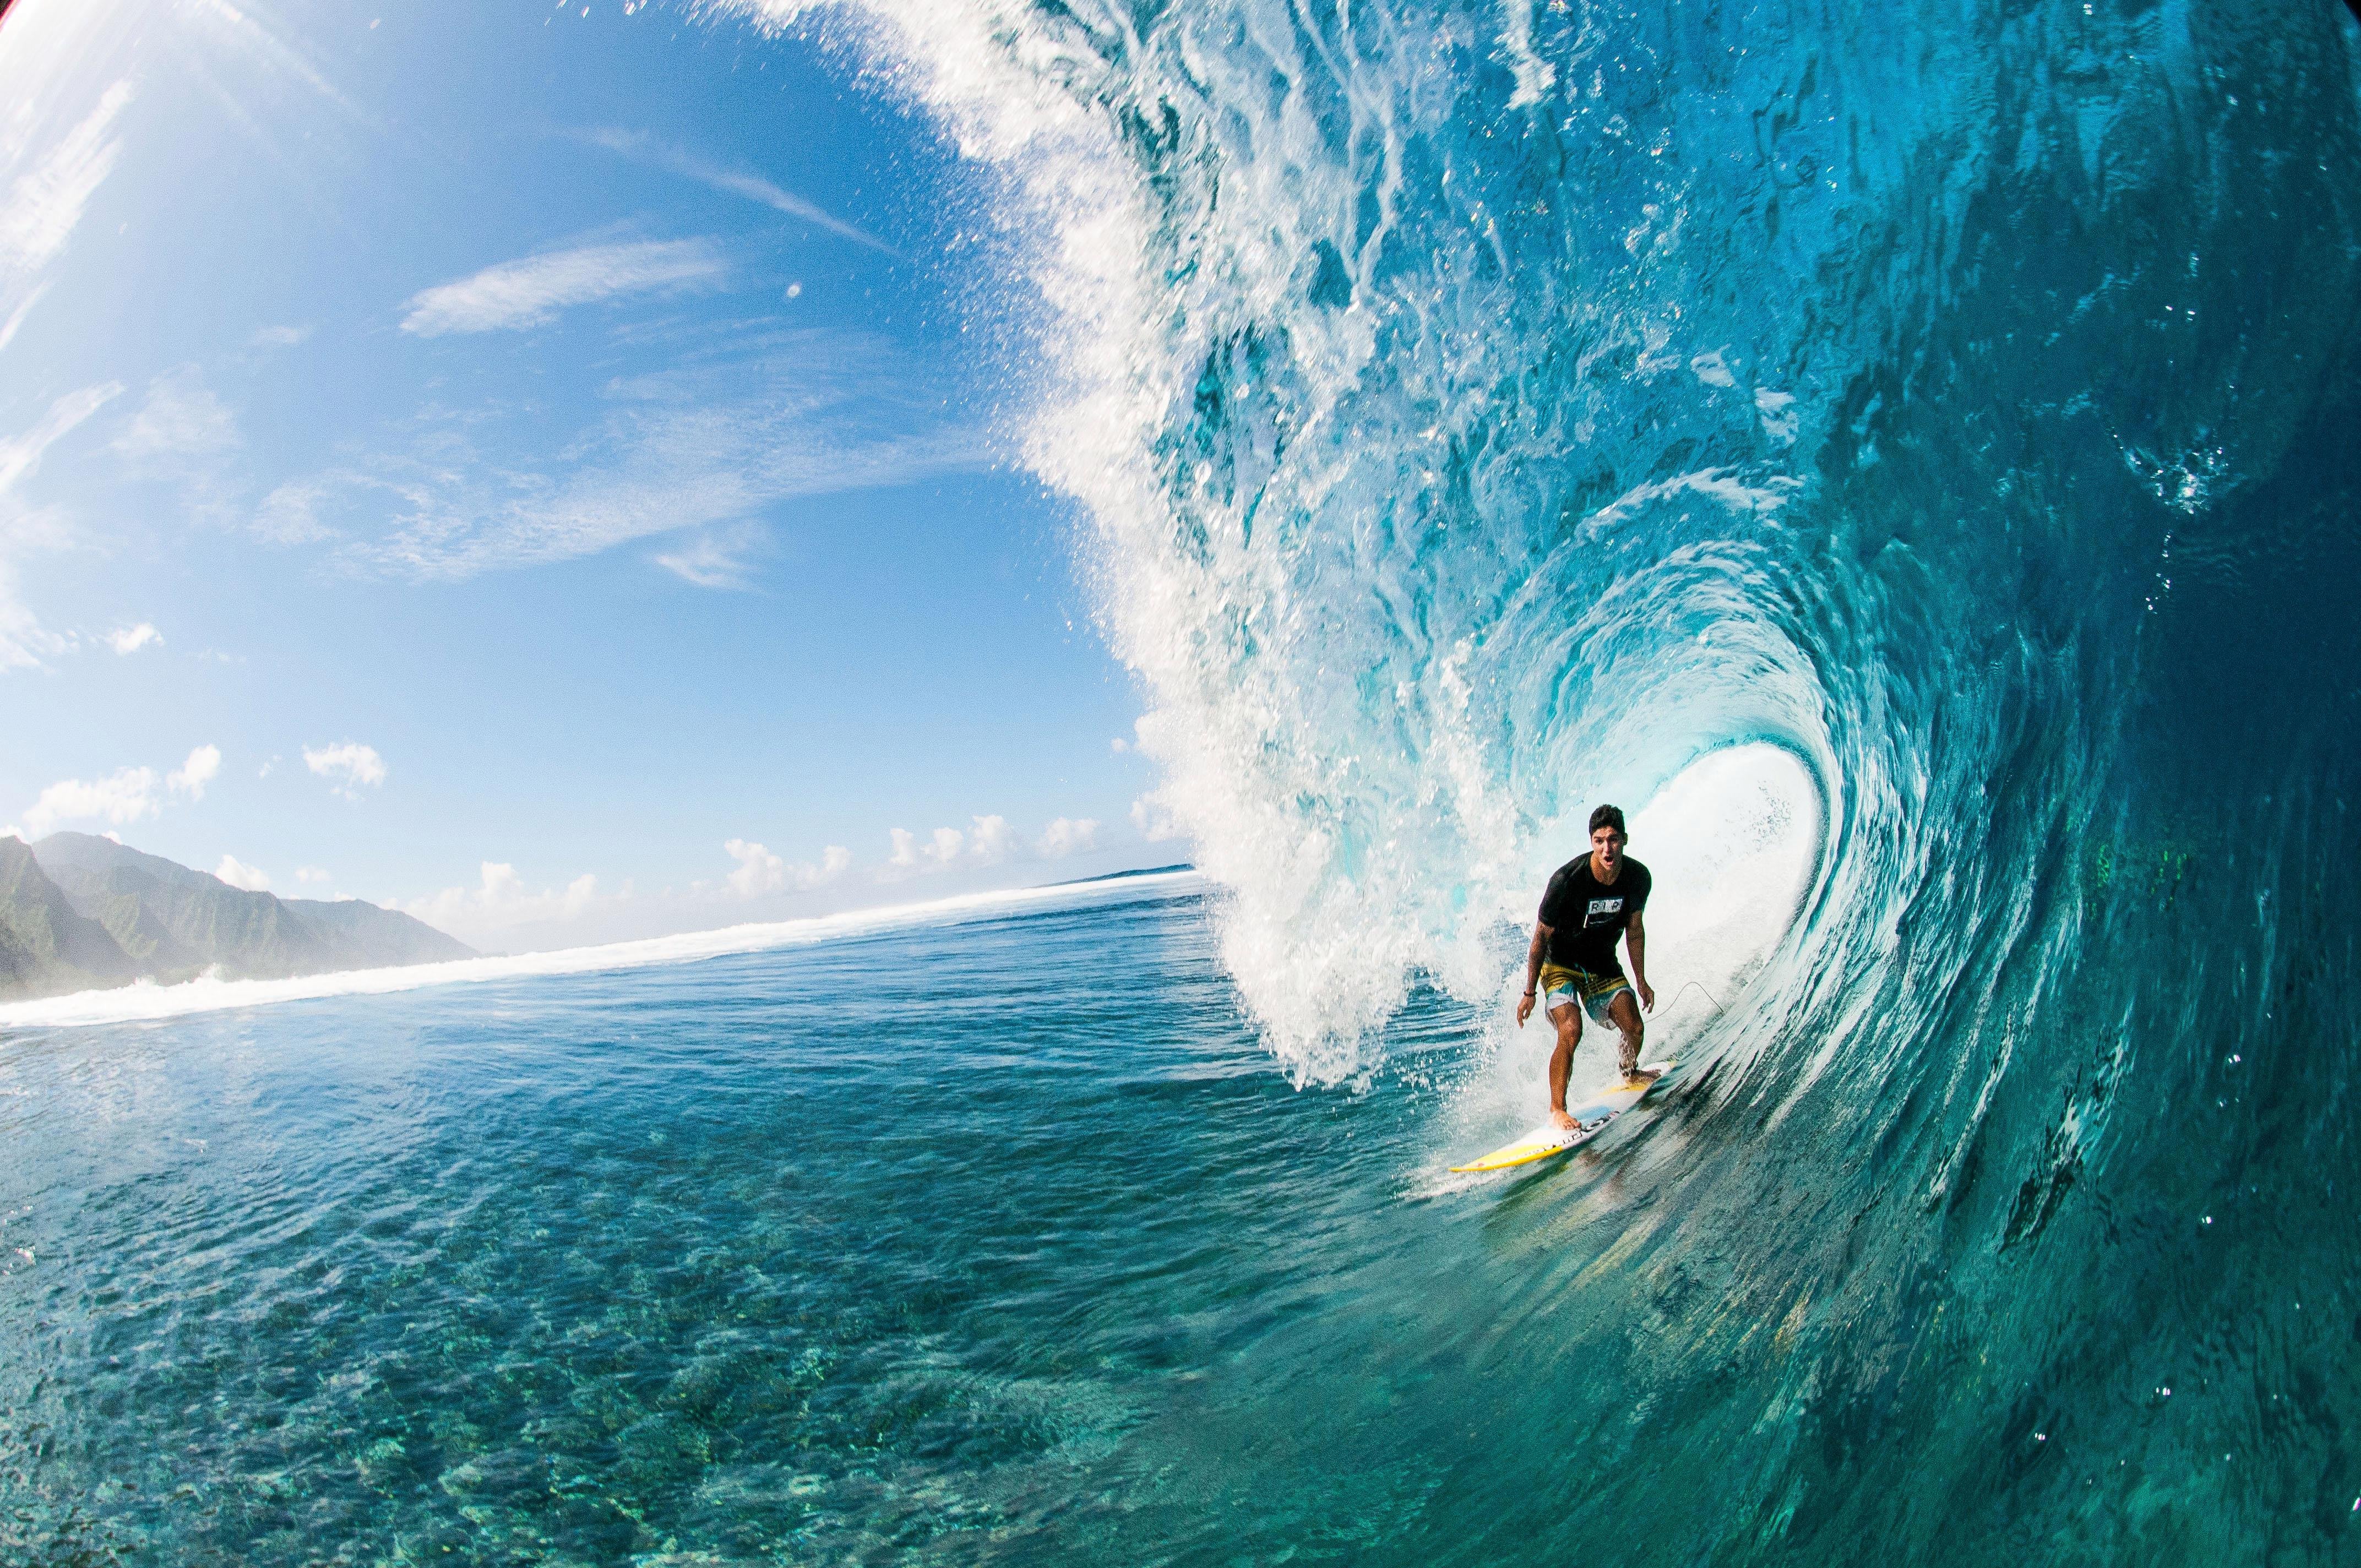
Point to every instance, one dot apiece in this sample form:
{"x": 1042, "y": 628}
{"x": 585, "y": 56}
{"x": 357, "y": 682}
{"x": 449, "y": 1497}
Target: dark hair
{"x": 1608, "y": 816}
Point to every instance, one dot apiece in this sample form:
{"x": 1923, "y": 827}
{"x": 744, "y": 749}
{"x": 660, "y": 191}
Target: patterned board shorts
{"x": 1562, "y": 987}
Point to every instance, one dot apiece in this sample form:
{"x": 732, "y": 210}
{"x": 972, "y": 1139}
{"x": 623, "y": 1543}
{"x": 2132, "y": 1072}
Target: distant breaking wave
{"x": 146, "y": 1001}
{"x": 1488, "y": 408}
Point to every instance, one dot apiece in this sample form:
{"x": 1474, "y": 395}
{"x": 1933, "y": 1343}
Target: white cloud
{"x": 760, "y": 871}
{"x": 715, "y": 559}
{"x": 501, "y": 902}
{"x": 1066, "y": 836}
{"x": 993, "y": 841}
{"x": 349, "y": 761}
{"x": 1154, "y": 820}
{"x": 1118, "y": 745}
{"x": 129, "y": 639}
{"x": 191, "y": 778}
{"x": 237, "y": 874}
{"x": 311, "y": 875}
{"x": 181, "y": 417}
{"x": 753, "y": 187}
{"x": 530, "y": 291}
{"x": 125, "y": 795}
{"x": 280, "y": 336}
{"x": 910, "y": 855}
{"x": 989, "y": 840}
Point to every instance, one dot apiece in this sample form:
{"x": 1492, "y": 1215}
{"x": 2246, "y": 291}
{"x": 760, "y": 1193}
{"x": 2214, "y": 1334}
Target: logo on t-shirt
{"x": 1599, "y": 906}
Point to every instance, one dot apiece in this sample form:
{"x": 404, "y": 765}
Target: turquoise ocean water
{"x": 997, "y": 1242}
{"x": 1905, "y": 453}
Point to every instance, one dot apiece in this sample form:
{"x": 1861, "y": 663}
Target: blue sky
{"x": 546, "y": 446}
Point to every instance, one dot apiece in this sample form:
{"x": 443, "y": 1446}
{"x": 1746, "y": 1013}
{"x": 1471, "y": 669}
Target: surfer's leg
{"x": 1569, "y": 1022}
{"x": 1624, "y": 1012}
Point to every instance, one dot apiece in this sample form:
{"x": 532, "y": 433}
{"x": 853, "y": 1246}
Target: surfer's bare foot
{"x": 1562, "y": 1122}
{"x": 1637, "y": 1077}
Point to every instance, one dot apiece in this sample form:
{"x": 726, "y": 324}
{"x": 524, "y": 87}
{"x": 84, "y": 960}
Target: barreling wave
{"x": 1488, "y": 408}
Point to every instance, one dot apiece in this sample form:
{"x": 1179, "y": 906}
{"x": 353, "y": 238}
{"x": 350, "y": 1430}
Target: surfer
{"x": 1590, "y": 902}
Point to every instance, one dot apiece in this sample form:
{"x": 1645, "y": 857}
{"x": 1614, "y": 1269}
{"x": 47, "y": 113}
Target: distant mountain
{"x": 79, "y": 912}
{"x": 45, "y": 946}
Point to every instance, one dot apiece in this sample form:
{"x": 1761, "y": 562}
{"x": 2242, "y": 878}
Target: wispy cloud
{"x": 25, "y": 643}
{"x": 704, "y": 444}
{"x": 181, "y": 417}
{"x": 715, "y": 559}
{"x": 638, "y": 148}
{"x": 529, "y": 291}
{"x": 257, "y": 42}
{"x": 48, "y": 190}
{"x": 129, "y": 639}
{"x": 21, "y": 455}
{"x": 290, "y": 514}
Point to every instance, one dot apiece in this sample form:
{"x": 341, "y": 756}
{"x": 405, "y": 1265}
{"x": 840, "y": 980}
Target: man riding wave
{"x": 1591, "y": 901}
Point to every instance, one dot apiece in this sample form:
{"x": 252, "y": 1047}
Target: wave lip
{"x": 146, "y": 1003}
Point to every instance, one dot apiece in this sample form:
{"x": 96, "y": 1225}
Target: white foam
{"x": 146, "y": 1000}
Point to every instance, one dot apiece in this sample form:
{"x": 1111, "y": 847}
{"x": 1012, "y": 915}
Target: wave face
{"x": 1490, "y": 409}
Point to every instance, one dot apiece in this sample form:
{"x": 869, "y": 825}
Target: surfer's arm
{"x": 1635, "y": 942}
{"x": 1533, "y": 970}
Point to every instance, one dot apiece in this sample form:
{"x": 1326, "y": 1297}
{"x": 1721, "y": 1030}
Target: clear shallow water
{"x": 1007, "y": 1243}
{"x": 959, "y": 1244}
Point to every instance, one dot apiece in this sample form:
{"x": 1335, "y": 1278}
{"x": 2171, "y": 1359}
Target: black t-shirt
{"x": 1587, "y": 917}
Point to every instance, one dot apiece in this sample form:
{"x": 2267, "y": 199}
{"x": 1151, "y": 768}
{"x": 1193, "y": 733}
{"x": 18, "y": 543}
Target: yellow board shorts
{"x": 1562, "y": 987}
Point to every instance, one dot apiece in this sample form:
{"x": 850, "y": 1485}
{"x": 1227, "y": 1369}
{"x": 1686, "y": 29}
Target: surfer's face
{"x": 1607, "y": 845}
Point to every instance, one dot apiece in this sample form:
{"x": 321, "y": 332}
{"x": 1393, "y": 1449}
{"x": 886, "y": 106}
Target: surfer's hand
{"x": 1524, "y": 1008}
{"x": 1647, "y": 996}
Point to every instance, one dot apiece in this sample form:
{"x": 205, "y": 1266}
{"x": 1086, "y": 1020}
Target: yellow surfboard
{"x": 1590, "y": 1119}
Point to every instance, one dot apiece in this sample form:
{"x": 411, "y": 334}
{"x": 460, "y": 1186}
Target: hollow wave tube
{"x": 1485, "y": 410}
